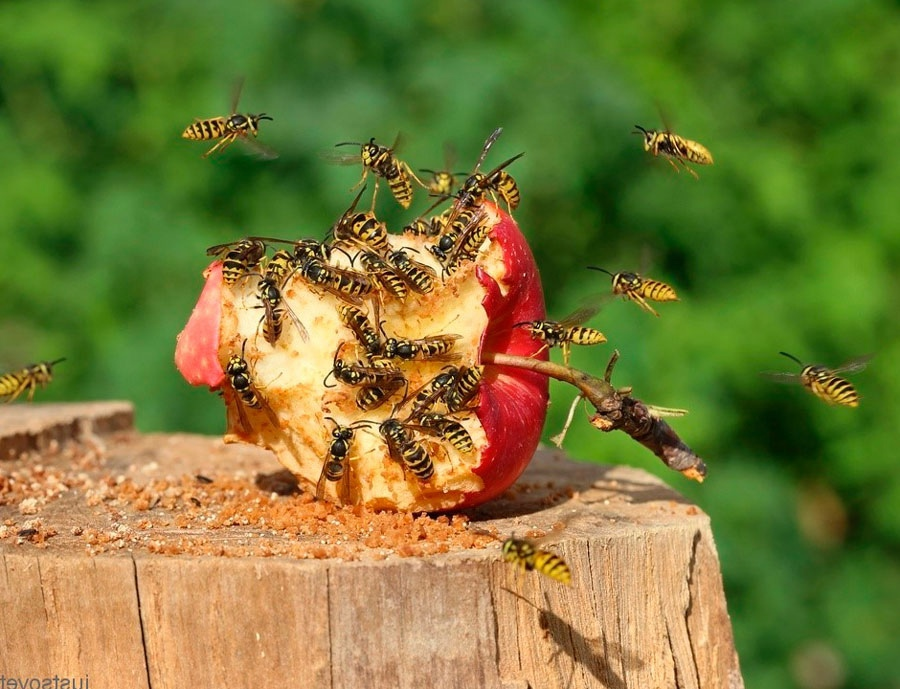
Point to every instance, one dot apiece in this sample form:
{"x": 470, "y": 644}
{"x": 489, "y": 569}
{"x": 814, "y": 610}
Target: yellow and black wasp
{"x": 825, "y": 383}
{"x": 278, "y": 270}
{"x": 676, "y": 149}
{"x": 433, "y": 391}
{"x": 448, "y": 429}
{"x": 240, "y": 258}
{"x": 383, "y": 275}
{"x": 418, "y": 276}
{"x": 29, "y": 378}
{"x": 377, "y": 371}
{"x": 382, "y": 162}
{"x": 566, "y": 332}
{"x": 405, "y": 449}
{"x": 358, "y": 322}
{"x": 431, "y": 348}
{"x": 238, "y": 371}
{"x": 443, "y": 182}
{"x": 496, "y": 182}
{"x": 464, "y": 388}
{"x": 348, "y": 285}
{"x": 336, "y": 466}
{"x": 639, "y": 289}
{"x": 361, "y": 229}
{"x": 229, "y": 129}
{"x": 530, "y": 557}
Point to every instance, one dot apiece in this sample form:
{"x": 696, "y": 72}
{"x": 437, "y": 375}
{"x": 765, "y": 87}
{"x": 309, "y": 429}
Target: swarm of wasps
{"x": 357, "y": 265}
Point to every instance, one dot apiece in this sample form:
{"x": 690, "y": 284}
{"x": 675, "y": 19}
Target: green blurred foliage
{"x": 789, "y": 242}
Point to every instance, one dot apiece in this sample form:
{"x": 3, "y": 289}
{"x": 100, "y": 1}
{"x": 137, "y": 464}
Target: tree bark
{"x": 645, "y": 608}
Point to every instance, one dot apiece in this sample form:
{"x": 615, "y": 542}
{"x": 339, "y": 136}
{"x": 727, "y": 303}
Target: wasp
{"x": 347, "y": 285}
{"x": 676, "y": 149}
{"x": 427, "y": 228}
{"x": 382, "y": 162}
{"x": 443, "y": 182}
{"x": 336, "y": 465}
{"x": 382, "y": 274}
{"x": 238, "y": 372}
{"x": 361, "y": 228}
{"x": 449, "y": 430}
{"x": 378, "y": 371}
{"x": 358, "y": 322}
{"x": 276, "y": 309}
{"x": 14, "y": 384}
{"x": 470, "y": 239}
{"x": 529, "y": 556}
{"x": 497, "y": 181}
{"x": 241, "y": 258}
{"x": 464, "y": 388}
{"x": 405, "y": 449}
{"x": 566, "y": 332}
{"x": 639, "y": 289}
{"x": 824, "y": 382}
{"x": 305, "y": 249}
{"x": 418, "y": 276}
{"x": 373, "y": 396}
{"x": 433, "y": 391}
{"x": 432, "y": 347}
{"x": 229, "y": 129}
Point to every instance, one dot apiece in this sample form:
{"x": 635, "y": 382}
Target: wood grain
{"x": 646, "y": 606}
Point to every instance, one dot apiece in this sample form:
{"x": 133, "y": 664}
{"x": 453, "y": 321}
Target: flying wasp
{"x": 14, "y": 384}
{"x": 824, "y": 382}
{"x": 336, "y": 465}
{"x": 528, "y": 556}
{"x": 566, "y": 332}
{"x": 639, "y": 289}
{"x": 443, "y": 182}
{"x": 382, "y": 162}
{"x": 676, "y": 149}
{"x": 240, "y": 258}
{"x": 229, "y": 129}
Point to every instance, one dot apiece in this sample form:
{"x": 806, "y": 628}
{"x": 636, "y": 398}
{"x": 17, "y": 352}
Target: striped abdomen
{"x": 829, "y": 387}
{"x": 204, "y": 130}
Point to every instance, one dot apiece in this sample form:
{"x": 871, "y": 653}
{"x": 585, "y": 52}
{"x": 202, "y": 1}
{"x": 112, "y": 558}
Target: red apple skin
{"x": 512, "y": 403}
{"x": 197, "y": 346}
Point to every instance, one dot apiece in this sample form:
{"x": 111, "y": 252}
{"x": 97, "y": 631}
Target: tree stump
{"x": 166, "y": 561}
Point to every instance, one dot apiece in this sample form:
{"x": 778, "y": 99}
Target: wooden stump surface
{"x": 156, "y": 561}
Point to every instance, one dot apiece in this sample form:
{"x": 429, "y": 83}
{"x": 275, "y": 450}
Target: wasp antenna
{"x": 792, "y": 357}
{"x": 53, "y": 363}
{"x": 519, "y": 325}
{"x": 331, "y": 418}
{"x": 264, "y": 116}
{"x": 425, "y": 169}
{"x": 348, "y": 143}
{"x": 602, "y": 270}
{"x": 642, "y": 130}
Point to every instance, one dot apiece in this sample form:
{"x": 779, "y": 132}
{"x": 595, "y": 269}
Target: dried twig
{"x": 616, "y": 409}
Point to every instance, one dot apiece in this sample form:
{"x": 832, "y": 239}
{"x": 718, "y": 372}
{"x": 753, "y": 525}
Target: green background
{"x": 790, "y": 241}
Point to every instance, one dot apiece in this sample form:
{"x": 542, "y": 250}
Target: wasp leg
{"x": 222, "y": 144}
{"x": 361, "y": 179}
{"x": 640, "y": 301}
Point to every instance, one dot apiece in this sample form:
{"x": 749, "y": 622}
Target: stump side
{"x": 157, "y": 607}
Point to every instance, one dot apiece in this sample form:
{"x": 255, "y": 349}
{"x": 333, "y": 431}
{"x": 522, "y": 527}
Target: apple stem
{"x": 615, "y": 409}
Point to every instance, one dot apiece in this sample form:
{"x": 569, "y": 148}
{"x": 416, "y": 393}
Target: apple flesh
{"x": 301, "y": 402}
